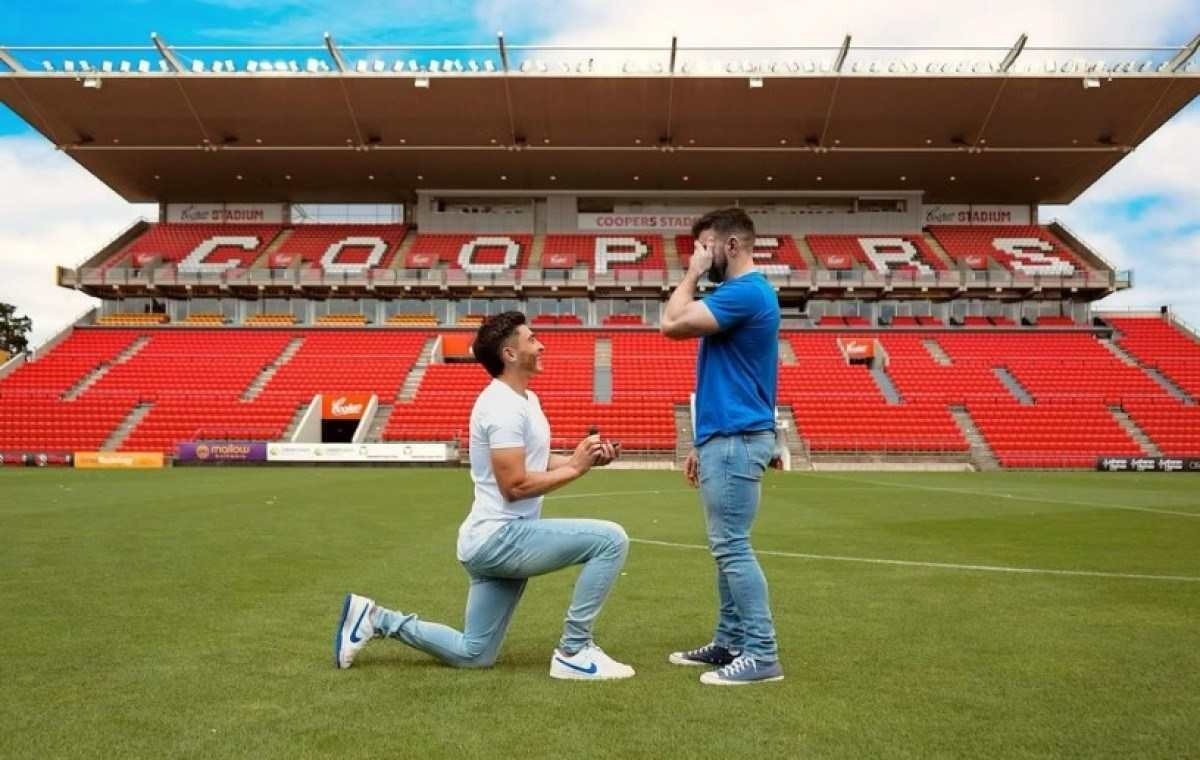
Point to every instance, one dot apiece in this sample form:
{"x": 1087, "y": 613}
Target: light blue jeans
{"x": 499, "y": 570}
{"x": 731, "y": 470}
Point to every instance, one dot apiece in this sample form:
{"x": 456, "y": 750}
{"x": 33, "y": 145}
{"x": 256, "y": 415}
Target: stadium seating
{"x": 1055, "y": 322}
{"x": 340, "y": 247}
{"x": 627, "y": 320}
{"x": 67, "y": 364}
{"x": 185, "y": 246}
{"x": 413, "y": 320}
{"x": 132, "y": 319}
{"x": 270, "y": 320}
{"x": 603, "y": 254}
{"x": 1173, "y": 426}
{"x": 902, "y": 321}
{"x": 367, "y": 361}
{"x": 482, "y": 252}
{"x": 568, "y": 320}
{"x": 210, "y": 320}
{"x": 194, "y": 379}
{"x": 341, "y": 320}
{"x": 50, "y": 425}
{"x": 901, "y": 254}
{"x": 1024, "y": 249}
{"x": 1159, "y": 344}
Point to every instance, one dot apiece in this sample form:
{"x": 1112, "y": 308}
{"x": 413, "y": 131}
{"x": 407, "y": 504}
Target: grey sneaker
{"x": 742, "y": 671}
{"x": 710, "y": 655}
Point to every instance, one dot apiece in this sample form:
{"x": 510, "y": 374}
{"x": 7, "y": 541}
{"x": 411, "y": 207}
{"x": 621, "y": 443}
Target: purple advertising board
{"x": 215, "y": 452}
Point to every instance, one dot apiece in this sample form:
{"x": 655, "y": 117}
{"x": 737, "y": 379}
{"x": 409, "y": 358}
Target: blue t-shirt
{"x": 738, "y": 369}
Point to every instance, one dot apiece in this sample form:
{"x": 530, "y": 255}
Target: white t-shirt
{"x": 502, "y": 419}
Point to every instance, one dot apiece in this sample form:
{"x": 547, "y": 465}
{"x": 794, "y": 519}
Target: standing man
{"x": 504, "y": 542}
{"x": 736, "y": 377}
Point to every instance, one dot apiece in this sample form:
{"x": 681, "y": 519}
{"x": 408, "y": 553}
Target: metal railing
{"x": 500, "y": 58}
{"x": 169, "y": 275}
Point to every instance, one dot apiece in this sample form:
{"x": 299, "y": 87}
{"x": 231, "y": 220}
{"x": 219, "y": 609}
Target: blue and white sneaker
{"x": 354, "y": 629}
{"x": 743, "y": 671}
{"x": 709, "y": 655}
{"x": 588, "y": 664}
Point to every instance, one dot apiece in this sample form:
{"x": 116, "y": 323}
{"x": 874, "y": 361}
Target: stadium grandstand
{"x": 337, "y": 226}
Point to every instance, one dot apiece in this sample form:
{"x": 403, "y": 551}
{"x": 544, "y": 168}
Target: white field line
{"x": 940, "y": 565}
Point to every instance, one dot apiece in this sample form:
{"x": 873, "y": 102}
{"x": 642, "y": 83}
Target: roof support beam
{"x": 167, "y": 53}
{"x": 1183, "y": 56}
{"x": 334, "y": 53}
{"x": 178, "y": 69}
{"x": 668, "y": 134}
{"x": 976, "y": 144}
{"x": 340, "y": 62}
{"x": 1011, "y": 57}
{"x": 841, "y": 56}
{"x": 7, "y": 59}
{"x": 508, "y": 104}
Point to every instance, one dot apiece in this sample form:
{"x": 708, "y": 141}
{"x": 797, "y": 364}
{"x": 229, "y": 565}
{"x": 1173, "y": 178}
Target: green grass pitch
{"x": 190, "y": 613}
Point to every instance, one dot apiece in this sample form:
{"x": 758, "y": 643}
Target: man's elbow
{"x": 514, "y": 492}
{"x": 672, "y": 329}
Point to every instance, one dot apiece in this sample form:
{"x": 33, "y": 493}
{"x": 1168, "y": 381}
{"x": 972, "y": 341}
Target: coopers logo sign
{"x": 344, "y": 406}
{"x": 858, "y": 349}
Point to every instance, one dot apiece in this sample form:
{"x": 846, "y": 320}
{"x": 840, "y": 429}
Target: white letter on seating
{"x": 765, "y": 249}
{"x": 608, "y": 251}
{"x": 885, "y": 260}
{"x": 330, "y": 263}
{"x": 1029, "y": 257}
{"x": 194, "y": 262}
{"x": 512, "y": 253}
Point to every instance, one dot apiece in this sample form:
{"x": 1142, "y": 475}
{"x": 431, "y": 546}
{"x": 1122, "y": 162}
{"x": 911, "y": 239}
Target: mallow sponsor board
{"x": 205, "y": 452}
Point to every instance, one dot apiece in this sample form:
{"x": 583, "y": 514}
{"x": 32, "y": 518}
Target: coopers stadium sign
{"x": 976, "y": 214}
{"x": 225, "y": 213}
{"x": 612, "y": 222}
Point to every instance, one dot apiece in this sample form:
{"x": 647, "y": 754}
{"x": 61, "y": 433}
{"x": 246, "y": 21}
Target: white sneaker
{"x": 588, "y": 664}
{"x": 354, "y": 629}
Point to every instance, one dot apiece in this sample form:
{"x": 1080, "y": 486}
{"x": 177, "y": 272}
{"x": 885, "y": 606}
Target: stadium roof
{"x": 377, "y": 133}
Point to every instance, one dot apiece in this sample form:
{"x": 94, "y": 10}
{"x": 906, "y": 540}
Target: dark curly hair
{"x": 493, "y": 334}
{"x": 725, "y": 222}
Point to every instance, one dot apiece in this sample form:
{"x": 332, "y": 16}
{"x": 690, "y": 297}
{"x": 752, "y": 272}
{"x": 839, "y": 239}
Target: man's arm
{"x": 517, "y": 483}
{"x": 685, "y": 317}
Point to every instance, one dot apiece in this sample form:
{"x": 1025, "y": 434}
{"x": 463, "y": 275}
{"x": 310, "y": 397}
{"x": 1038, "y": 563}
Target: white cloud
{"x": 1160, "y": 241}
{"x": 52, "y": 213}
{"x": 710, "y": 22}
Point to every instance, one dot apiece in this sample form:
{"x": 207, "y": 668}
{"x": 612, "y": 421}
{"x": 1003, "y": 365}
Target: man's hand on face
{"x": 702, "y": 259}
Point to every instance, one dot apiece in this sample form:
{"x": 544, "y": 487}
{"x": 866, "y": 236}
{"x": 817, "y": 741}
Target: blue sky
{"x": 1144, "y": 215}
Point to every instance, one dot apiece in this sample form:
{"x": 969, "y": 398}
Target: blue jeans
{"x": 520, "y": 550}
{"x": 731, "y": 470}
